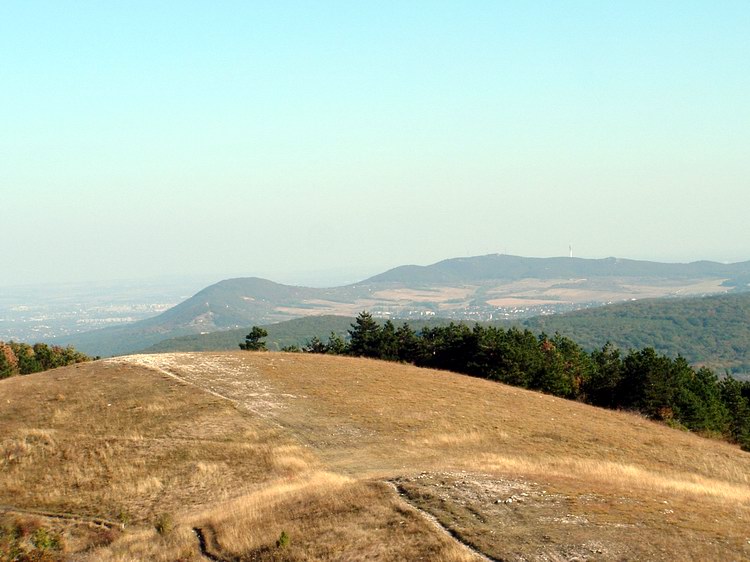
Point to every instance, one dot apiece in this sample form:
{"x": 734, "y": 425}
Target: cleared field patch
{"x": 516, "y": 293}
{"x": 520, "y": 301}
{"x": 317, "y": 308}
{"x": 597, "y": 290}
{"x": 436, "y": 294}
{"x": 243, "y": 446}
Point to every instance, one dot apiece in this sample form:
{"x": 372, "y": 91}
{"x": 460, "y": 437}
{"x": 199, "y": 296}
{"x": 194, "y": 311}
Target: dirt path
{"x": 222, "y": 376}
{"x": 439, "y": 526}
{"x": 229, "y": 379}
{"x": 65, "y": 516}
{"x": 204, "y": 547}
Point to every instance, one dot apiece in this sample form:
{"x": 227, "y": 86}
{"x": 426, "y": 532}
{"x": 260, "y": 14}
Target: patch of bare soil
{"x": 225, "y": 376}
{"x": 514, "y": 519}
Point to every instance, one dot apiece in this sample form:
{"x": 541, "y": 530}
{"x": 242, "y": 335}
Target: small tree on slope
{"x": 253, "y": 340}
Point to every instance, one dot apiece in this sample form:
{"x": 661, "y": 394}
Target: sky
{"x": 321, "y": 142}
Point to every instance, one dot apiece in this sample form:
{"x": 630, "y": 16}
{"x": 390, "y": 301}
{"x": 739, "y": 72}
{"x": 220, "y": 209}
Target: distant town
{"x": 478, "y": 313}
{"x": 43, "y": 321}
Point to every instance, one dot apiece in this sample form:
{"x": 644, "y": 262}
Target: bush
{"x": 45, "y": 540}
{"x": 283, "y": 540}
{"x": 123, "y": 517}
{"x": 164, "y": 524}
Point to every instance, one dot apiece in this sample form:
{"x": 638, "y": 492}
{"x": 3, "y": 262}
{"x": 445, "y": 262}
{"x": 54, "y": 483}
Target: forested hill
{"x": 502, "y": 266}
{"x": 711, "y": 331}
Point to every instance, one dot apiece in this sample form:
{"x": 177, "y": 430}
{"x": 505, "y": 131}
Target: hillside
{"x": 474, "y": 289}
{"x": 288, "y": 333}
{"x": 161, "y": 456}
{"x": 502, "y": 266}
{"x": 297, "y": 332}
{"x": 233, "y": 303}
{"x": 711, "y": 331}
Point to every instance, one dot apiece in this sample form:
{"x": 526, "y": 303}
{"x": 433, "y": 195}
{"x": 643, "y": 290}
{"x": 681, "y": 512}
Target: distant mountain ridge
{"x": 461, "y": 288}
{"x": 232, "y": 301}
{"x": 502, "y": 266}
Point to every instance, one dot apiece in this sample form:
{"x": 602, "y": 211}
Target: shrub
{"x": 45, "y": 540}
{"x": 123, "y": 517}
{"x": 283, "y": 540}
{"x": 164, "y": 524}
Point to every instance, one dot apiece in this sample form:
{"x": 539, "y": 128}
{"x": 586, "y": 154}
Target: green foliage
{"x": 10, "y": 544}
{"x": 406, "y": 342}
{"x": 27, "y": 541}
{"x": 283, "y": 334}
{"x": 606, "y": 375}
{"x": 315, "y": 345}
{"x": 736, "y": 397}
{"x": 24, "y": 359}
{"x": 365, "y": 337}
{"x": 283, "y": 540}
{"x": 335, "y": 345}
{"x": 708, "y": 331}
{"x": 45, "y": 540}
{"x": 699, "y": 402}
{"x": 253, "y": 341}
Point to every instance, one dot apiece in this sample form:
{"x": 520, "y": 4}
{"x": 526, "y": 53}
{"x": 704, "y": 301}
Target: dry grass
{"x": 245, "y": 445}
{"x": 353, "y": 521}
{"x": 129, "y": 441}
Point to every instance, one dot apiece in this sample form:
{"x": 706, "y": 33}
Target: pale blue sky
{"x": 304, "y": 140}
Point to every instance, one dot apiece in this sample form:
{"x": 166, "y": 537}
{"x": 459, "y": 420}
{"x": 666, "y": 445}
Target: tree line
{"x": 644, "y": 381}
{"x": 24, "y": 359}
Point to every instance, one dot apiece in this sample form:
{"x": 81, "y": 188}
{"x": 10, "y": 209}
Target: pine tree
{"x": 739, "y": 410}
{"x": 365, "y": 336}
{"x": 253, "y": 340}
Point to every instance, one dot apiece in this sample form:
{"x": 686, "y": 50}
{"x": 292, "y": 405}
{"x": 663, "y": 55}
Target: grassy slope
{"x": 304, "y": 444}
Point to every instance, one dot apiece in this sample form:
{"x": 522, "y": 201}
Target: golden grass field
{"x": 352, "y": 459}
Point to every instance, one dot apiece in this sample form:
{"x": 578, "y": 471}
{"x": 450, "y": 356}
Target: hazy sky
{"x": 304, "y": 140}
